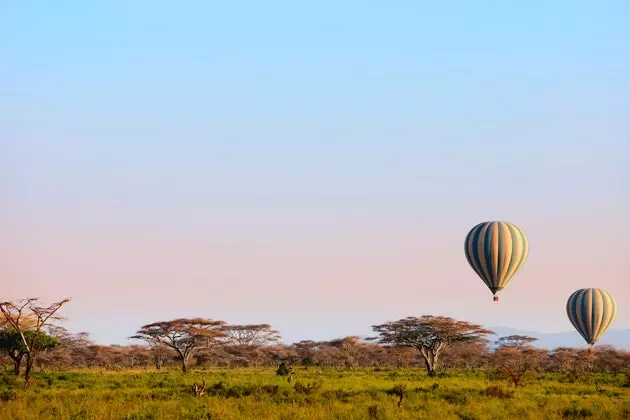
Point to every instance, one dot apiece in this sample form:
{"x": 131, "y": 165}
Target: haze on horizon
{"x": 314, "y": 167}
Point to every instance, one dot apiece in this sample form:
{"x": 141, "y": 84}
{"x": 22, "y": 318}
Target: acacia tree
{"x": 13, "y": 345}
{"x": 184, "y": 335}
{"x": 153, "y": 336}
{"x": 516, "y": 341}
{"x": 468, "y": 356}
{"x": 28, "y": 319}
{"x": 251, "y": 335}
{"x": 515, "y": 357}
{"x": 429, "y": 334}
{"x": 349, "y": 347}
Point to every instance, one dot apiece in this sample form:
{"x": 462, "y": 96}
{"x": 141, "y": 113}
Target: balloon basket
{"x": 495, "y": 298}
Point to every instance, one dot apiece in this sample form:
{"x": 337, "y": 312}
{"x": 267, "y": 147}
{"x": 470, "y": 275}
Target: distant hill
{"x": 618, "y": 338}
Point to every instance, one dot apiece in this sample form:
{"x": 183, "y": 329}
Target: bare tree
{"x": 562, "y": 359}
{"x": 610, "y": 360}
{"x": 515, "y": 357}
{"x": 469, "y": 356}
{"x": 184, "y": 335}
{"x": 25, "y": 315}
{"x": 251, "y": 335}
{"x": 349, "y": 347}
{"x": 153, "y": 336}
{"x": 428, "y": 334}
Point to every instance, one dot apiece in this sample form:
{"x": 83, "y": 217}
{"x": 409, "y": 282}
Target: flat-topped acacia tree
{"x": 428, "y": 334}
{"x": 184, "y": 335}
{"x": 256, "y": 335}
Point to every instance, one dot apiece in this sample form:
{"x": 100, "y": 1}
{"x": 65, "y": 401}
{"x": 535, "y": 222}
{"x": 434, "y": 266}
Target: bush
{"x": 498, "y": 392}
{"x": 282, "y": 370}
{"x": 373, "y": 412}
{"x": 338, "y": 394}
{"x": 455, "y": 398}
{"x": 271, "y": 389}
{"x": 8, "y": 395}
{"x": 399, "y": 389}
{"x": 307, "y": 389}
{"x": 575, "y": 412}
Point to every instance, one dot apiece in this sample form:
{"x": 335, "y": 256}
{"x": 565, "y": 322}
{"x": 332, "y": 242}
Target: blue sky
{"x": 348, "y": 146}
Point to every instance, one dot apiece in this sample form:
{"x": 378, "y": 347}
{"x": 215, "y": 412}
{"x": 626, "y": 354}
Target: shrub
{"x": 575, "y": 412}
{"x": 338, "y": 394}
{"x": 498, "y": 392}
{"x": 271, "y": 389}
{"x": 282, "y": 370}
{"x": 455, "y": 397}
{"x": 8, "y": 395}
{"x": 373, "y": 412}
{"x": 306, "y": 389}
{"x": 399, "y": 389}
{"x": 218, "y": 386}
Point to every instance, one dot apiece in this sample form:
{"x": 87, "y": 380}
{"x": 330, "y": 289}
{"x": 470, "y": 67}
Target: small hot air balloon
{"x": 591, "y": 311}
{"x": 496, "y": 251}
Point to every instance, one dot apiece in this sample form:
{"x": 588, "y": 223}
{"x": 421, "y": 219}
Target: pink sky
{"x": 330, "y": 277}
{"x": 313, "y": 170}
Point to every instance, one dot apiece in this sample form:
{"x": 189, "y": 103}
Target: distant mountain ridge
{"x": 617, "y": 338}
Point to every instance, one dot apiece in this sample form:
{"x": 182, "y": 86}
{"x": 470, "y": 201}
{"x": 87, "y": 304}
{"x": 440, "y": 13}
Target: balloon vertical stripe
{"x": 591, "y": 311}
{"x": 496, "y": 251}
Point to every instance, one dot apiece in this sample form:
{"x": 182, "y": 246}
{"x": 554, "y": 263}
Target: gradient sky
{"x": 312, "y": 166}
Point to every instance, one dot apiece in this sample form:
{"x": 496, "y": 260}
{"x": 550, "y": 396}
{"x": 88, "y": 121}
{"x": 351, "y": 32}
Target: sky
{"x": 311, "y": 165}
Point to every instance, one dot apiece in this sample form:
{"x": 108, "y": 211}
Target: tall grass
{"x": 258, "y": 393}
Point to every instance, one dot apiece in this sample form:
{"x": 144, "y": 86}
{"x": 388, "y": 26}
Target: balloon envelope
{"x": 591, "y": 311}
{"x": 496, "y": 251}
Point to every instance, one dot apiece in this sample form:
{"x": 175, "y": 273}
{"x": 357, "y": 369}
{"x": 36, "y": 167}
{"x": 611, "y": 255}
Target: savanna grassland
{"x": 314, "y": 393}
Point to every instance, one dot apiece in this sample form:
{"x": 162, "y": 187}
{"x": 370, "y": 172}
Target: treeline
{"x": 27, "y": 332}
{"x": 76, "y": 351}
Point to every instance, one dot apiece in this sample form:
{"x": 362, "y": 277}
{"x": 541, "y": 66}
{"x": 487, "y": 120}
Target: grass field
{"x": 257, "y": 393}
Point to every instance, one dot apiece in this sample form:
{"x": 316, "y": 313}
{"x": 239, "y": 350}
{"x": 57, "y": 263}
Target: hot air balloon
{"x": 591, "y": 311}
{"x": 496, "y": 251}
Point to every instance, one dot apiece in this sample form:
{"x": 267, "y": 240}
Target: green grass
{"x": 258, "y": 393}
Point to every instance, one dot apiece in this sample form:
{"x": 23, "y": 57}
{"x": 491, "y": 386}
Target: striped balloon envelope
{"x": 591, "y": 311}
{"x": 496, "y": 251}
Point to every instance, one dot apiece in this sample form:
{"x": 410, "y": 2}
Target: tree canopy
{"x": 184, "y": 335}
{"x": 12, "y": 344}
{"x": 429, "y": 334}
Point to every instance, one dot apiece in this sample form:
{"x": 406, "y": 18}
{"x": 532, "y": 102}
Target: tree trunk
{"x": 157, "y": 361}
{"x": 17, "y": 361}
{"x": 430, "y": 368}
{"x": 16, "y": 365}
{"x": 29, "y": 366}
{"x": 431, "y": 355}
{"x": 429, "y": 360}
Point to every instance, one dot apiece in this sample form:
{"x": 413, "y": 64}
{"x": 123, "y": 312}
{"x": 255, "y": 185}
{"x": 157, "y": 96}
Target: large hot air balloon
{"x": 591, "y": 311}
{"x": 496, "y": 251}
